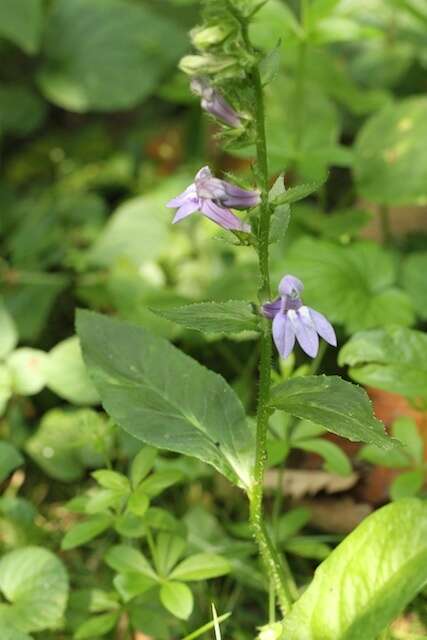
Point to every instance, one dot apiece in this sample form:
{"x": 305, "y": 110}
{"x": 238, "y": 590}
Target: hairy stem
{"x": 277, "y": 569}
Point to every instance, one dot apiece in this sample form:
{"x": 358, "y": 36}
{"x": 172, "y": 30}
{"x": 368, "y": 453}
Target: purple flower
{"x": 213, "y": 102}
{"x": 212, "y": 197}
{"x": 293, "y": 320}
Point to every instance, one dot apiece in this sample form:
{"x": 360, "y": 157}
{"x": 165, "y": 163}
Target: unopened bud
{"x": 205, "y": 37}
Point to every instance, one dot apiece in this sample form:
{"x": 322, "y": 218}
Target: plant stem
{"x": 278, "y": 572}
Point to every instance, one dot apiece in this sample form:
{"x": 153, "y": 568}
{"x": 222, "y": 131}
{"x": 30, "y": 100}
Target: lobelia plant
{"x": 168, "y": 400}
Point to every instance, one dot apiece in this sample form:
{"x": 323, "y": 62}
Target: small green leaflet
{"x": 338, "y": 406}
{"x": 166, "y": 399}
{"x": 367, "y": 580}
{"x": 213, "y": 317}
{"x": 297, "y": 193}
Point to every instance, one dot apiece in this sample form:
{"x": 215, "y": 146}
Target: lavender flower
{"x": 213, "y": 102}
{"x": 212, "y": 197}
{"x": 292, "y": 319}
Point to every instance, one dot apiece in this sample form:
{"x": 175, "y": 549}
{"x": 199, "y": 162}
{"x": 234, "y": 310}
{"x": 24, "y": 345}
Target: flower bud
{"x": 205, "y": 37}
{"x": 205, "y": 65}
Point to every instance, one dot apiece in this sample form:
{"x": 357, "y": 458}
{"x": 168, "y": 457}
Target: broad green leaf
{"x": 21, "y": 109}
{"x": 367, "y": 580}
{"x": 415, "y": 283}
{"x": 35, "y": 584}
{"x": 125, "y": 559}
{"x": 339, "y": 406}
{"x": 407, "y": 484}
{"x": 28, "y": 370}
{"x": 21, "y": 21}
{"x": 120, "y": 64}
{"x": 393, "y": 359}
{"x": 353, "y": 285}
{"x": 385, "y": 150}
{"x": 165, "y": 398}
{"x": 214, "y": 317}
{"x": 201, "y": 566}
{"x": 293, "y": 194}
{"x": 10, "y": 459}
{"x": 68, "y": 442}
{"x": 66, "y": 373}
{"x": 8, "y": 332}
{"x": 9, "y": 633}
{"x": 83, "y": 532}
{"x": 177, "y": 598}
{"x": 142, "y": 465}
{"x": 97, "y": 626}
{"x": 112, "y": 480}
{"x": 335, "y": 459}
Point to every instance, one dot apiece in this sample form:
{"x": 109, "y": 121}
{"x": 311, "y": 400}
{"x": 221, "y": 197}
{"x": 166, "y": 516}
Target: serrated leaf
{"x": 367, "y": 580}
{"x": 165, "y": 398}
{"x": 177, "y": 598}
{"x": 339, "y": 406}
{"x": 83, "y": 532}
{"x": 213, "y": 317}
{"x": 35, "y": 583}
{"x": 10, "y": 459}
{"x": 201, "y": 566}
{"x": 118, "y": 66}
{"x": 66, "y": 374}
{"x": 393, "y": 359}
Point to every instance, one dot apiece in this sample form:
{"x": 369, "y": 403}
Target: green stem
{"x": 277, "y": 569}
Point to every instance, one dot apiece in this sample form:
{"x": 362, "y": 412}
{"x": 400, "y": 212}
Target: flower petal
{"x": 223, "y": 217}
{"x": 323, "y": 327}
{"x": 270, "y": 309}
{"x": 283, "y": 334}
{"x": 203, "y": 174}
{"x": 305, "y": 334}
{"x": 189, "y": 207}
{"x": 183, "y": 197}
{"x": 290, "y": 286}
{"x": 239, "y": 198}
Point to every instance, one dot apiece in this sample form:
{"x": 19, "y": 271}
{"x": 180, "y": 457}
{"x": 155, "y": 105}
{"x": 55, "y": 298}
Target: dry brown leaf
{"x": 336, "y": 515}
{"x": 298, "y": 483}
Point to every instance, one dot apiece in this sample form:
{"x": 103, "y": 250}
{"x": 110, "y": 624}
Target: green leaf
{"x": 83, "y": 532}
{"x": 281, "y": 213}
{"x": 201, "y": 566}
{"x": 10, "y": 459}
{"x": 293, "y": 194}
{"x": 21, "y": 22}
{"x": 8, "y": 332}
{"x": 132, "y": 584}
{"x": 138, "y": 502}
{"x": 385, "y": 150}
{"x": 213, "y": 317}
{"x": 291, "y": 522}
{"x": 335, "y": 459}
{"x": 9, "y": 633}
{"x": 103, "y": 501}
{"x": 307, "y": 547}
{"x": 177, "y": 598}
{"x": 97, "y": 626}
{"x": 35, "y": 584}
{"x": 407, "y": 484}
{"x": 66, "y": 374}
{"x": 21, "y": 110}
{"x": 353, "y": 285}
{"x": 168, "y": 550}
{"x": 125, "y": 559}
{"x": 393, "y": 359}
{"x": 120, "y": 64}
{"x": 406, "y": 430}
{"x": 159, "y": 481}
{"x": 339, "y": 406}
{"x": 142, "y": 465}
{"x": 69, "y": 441}
{"x": 130, "y": 525}
{"x": 367, "y": 580}
{"x": 112, "y": 480}
{"x": 28, "y": 370}
{"x": 5, "y": 387}
{"x": 165, "y": 398}
{"x": 415, "y": 283}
